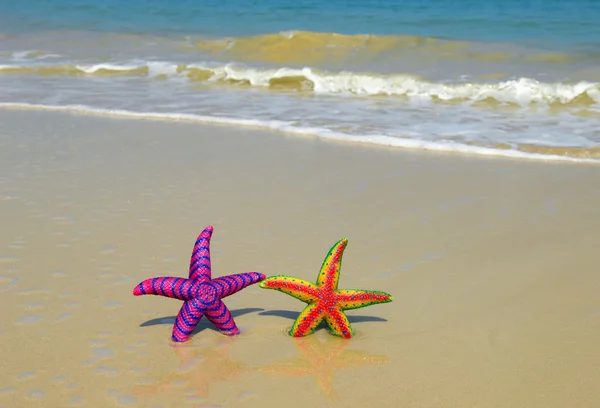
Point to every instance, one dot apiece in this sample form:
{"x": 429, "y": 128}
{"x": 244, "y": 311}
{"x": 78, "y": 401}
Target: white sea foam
{"x": 382, "y": 140}
{"x": 156, "y": 68}
{"x": 484, "y": 117}
{"x": 520, "y": 91}
{"x": 21, "y": 55}
{"x": 93, "y": 68}
{"x": 28, "y": 55}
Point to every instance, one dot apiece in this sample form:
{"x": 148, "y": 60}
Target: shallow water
{"x": 513, "y": 79}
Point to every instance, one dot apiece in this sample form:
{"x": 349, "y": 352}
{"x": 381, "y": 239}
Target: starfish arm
{"x": 308, "y": 321}
{"x": 329, "y": 275}
{"x": 300, "y": 289}
{"x": 178, "y": 288}
{"x": 353, "y": 298}
{"x": 222, "y": 319}
{"x": 228, "y": 285}
{"x": 338, "y": 323}
{"x": 200, "y": 261}
{"x": 188, "y": 317}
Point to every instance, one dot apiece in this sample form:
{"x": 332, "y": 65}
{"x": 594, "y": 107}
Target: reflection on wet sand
{"x": 199, "y": 369}
{"x": 321, "y": 359}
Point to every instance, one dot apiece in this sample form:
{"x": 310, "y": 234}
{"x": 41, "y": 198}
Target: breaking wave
{"x": 519, "y": 92}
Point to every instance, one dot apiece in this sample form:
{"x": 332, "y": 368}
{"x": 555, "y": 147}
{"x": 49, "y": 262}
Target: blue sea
{"x": 505, "y": 78}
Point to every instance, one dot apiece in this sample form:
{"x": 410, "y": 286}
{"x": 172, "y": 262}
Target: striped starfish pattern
{"x": 201, "y": 294}
{"x": 325, "y": 301}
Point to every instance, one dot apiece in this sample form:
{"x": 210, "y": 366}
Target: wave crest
{"x": 520, "y": 92}
{"x": 312, "y": 47}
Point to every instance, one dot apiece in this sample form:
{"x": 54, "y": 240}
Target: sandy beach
{"x": 493, "y": 265}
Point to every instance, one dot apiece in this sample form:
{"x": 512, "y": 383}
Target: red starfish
{"x": 201, "y": 293}
{"x": 325, "y": 300}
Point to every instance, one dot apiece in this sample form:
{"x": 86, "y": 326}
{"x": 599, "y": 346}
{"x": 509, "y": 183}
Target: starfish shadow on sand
{"x": 288, "y": 314}
{"x": 203, "y": 324}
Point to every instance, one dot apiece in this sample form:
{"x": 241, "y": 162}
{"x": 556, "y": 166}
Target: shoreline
{"x": 492, "y": 265}
{"x": 526, "y": 152}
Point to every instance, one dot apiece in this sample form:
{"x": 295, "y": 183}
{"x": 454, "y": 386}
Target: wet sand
{"x": 493, "y": 264}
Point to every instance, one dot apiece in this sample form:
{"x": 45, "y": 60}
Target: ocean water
{"x": 509, "y": 78}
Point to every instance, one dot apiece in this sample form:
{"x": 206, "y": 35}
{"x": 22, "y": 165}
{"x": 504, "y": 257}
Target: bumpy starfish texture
{"x": 325, "y": 300}
{"x": 201, "y": 294}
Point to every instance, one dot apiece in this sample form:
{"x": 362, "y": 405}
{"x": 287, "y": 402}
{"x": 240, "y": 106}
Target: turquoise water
{"x": 549, "y": 21}
{"x": 506, "y": 77}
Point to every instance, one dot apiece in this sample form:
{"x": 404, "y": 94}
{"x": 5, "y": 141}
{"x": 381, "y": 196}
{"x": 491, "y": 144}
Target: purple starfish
{"x": 201, "y": 293}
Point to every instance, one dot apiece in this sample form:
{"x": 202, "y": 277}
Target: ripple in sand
{"x": 143, "y": 382}
{"x": 245, "y": 396}
{"x": 8, "y": 282}
{"x": 137, "y": 371}
{"x": 63, "y": 219}
{"x": 63, "y": 316}
{"x": 406, "y": 266}
{"x": 32, "y": 319}
{"x": 122, "y": 281}
{"x": 97, "y": 343}
{"x": 103, "y": 352}
{"x": 108, "y": 250}
{"x": 194, "y": 398}
{"x": 106, "y": 268}
{"x": 61, "y": 379}
{"x": 26, "y": 376}
{"x": 72, "y": 304}
{"x": 108, "y": 371}
{"x": 99, "y": 354}
{"x": 18, "y": 244}
{"x": 6, "y": 197}
{"x": 112, "y": 305}
{"x": 59, "y": 274}
{"x": 35, "y": 291}
{"x": 34, "y": 305}
{"x": 36, "y": 394}
{"x": 127, "y": 400}
{"x": 76, "y": 401}
{"x": 7, "y": 390}
{"x": 9, "y": 259}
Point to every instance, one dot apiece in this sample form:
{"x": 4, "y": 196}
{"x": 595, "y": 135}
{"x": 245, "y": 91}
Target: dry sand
{"x": 493, "y": 263}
